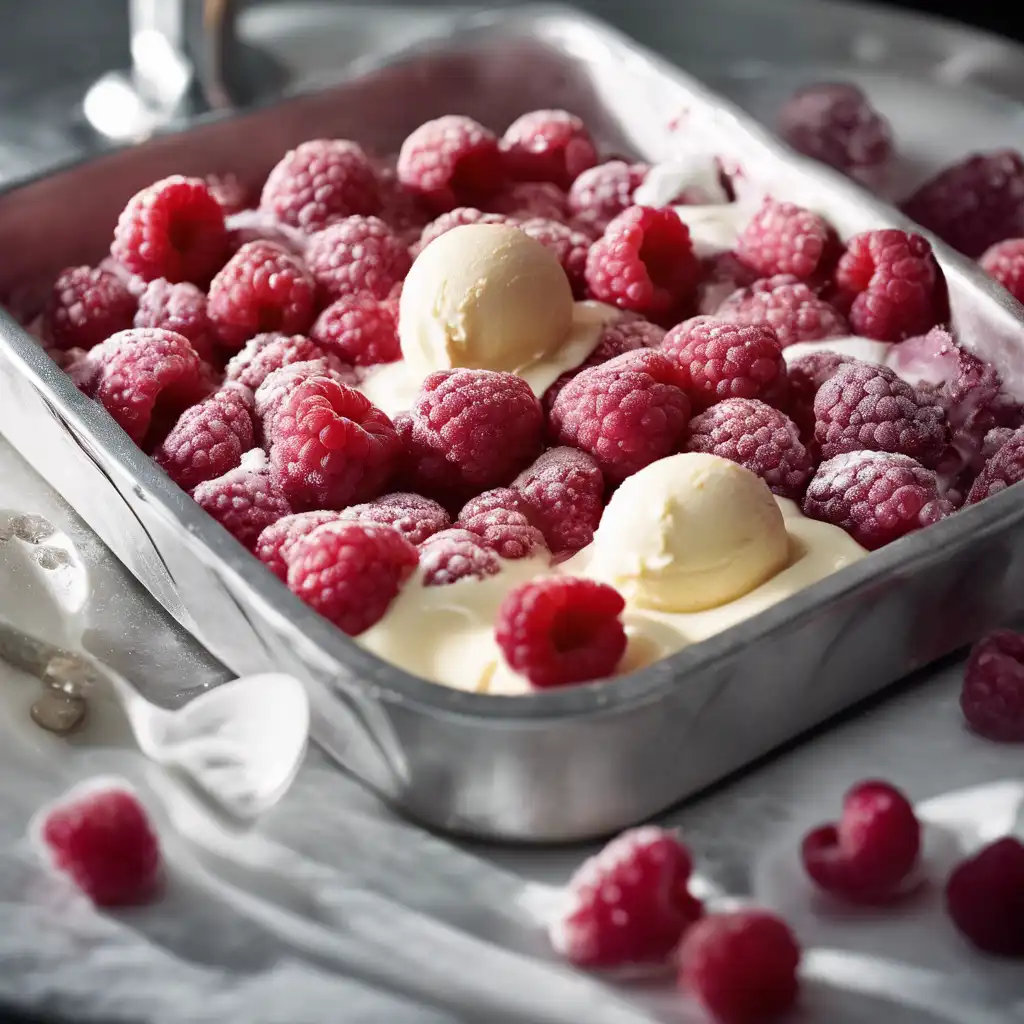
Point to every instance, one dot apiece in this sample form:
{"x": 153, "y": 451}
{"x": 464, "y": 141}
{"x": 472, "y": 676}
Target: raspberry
{"x": 786, "y": 239}
{"x": 266, "y": 353}
{"x": 260, "y": 226}
{"x": 330, "y": 446}
{"x": 416, "y": 518}
{"x": 605, "y": 191}
{"x": 548, "y": 145}
{"x": 208, "y": 439}
{"x": 759, "y": 438}
{"x": 320, "y": 182}
{"x": 450, "y": 160}
{"x": 453, "y": 555}
{"x": 973, "y": 204}
{"x": 503, "y": 498}
{"x": 275, "y": 543}
{"x": 174, "y": 229}
{"x": 985, "y": 898}
{"x": 261, "y": 288}
{"x": 358, "y": 330}
{"x": 104, "y": 841}
{"x": 350, "y": 572}
{"x": 626, "y": 413}
{"x": 1004, "y": 261}
{"x": 866, "y": 407}
{"x": 721, "y": 275}
{"x": 1004, "y": 469}
{"x": 994, "y": 440}
{"x": 992, "y": 698}
{"x": 135, "y": 284}
{"x": 457, "y": 218}
{"x": 868, "y": 856}
{"x": 803, "y": 378}
{"x": 569, "y": 246}
{"x": 229, "y": 191}
{"x": 628, "y": 904}
{"x": 741, "y": 966}
{"x": 357, "y": 254}
{"x": 876, "y": 497}
{"x": 176, "y": 307}
{"x": 561, "y": 629}
{"x": 508, "y": 533}
{"x": 279, "y": 384}
{"x": 401, "y": 210}
{"x": 470, "y": 430}
{"x": 644, "y": 261}
{"x": 86, "y": 306}
{"x": 529, "y": 200}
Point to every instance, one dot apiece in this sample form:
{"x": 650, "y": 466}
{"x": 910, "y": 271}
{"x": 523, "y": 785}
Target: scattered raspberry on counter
{"x": 605, "y": 191}
{"x": 357, "y": 254}
{"x": 985, "y": 898}
{"x": 548, "y": 146}
{"x": 177, "y": 307}
{"x": 416, "y": 518}
{"x": 1005, "y": 262}
{"x": 783, "y": 238}
{"x": 358, "y": 330}
{"x": 453, "y": 555}
{"x": 265, "y": 353}
{"x": 529, "y": 200}
{"x": 274, "y": 544}
{"x": 86, "y": 306}
{"x": 569, "y": 246}
{"x": 1002, "y": 470}
{"x": 992, "y": 698}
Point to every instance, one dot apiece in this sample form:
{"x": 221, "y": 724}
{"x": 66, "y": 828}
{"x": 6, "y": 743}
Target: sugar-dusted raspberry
{"x": 975, "y": 203}
{"x": 230, "y": 191}
{"x": 783, "y": 238}
{"x": 261, "y": 288}
{"x": 279, "y": 384}
{"x": 261, "y": 226}
{"x": 741, "y": 966}
{"x": 527, "y": 200}
{"x": 992, "y": 698}
{"x": 173, "y": 229}
{"x": 994, "y": 440}
{"x": 629, "y": 904}
{"x": 103, "y": 840}
{"x": 359, "y": 330}
{"x": 331, "y": 446}
{"x": 626, "y": 413}
{"x": 357, "y": 254}
{"x": 569, "y": 246}
{"x": 274, "y": 544}
{"x": 453, "y": 555}
{"x": 985, "y": 898}
{"x": 86, "y": 306}
{"x": 803, "y": 378}
{"x": 135, "y": 284}
{"x": 721, "y": 275}
{"x": 350, "y": 572}
{"x": 177, "y": 307}
{"x": 1005, "y": 262}
{"x": 209, "y": 439}
{"x": 457, "y": 218}
{"x": 416, "y": 518}
{"x": 605, "y": 191}
{"x": 508, "y": 533}
{"x": 561, "y": 629}
{"x": 266, "y": 353}
{"x": 548, "y": 145}
{"x": 1002, "y": 470}
{"x": 320, "y": 182}
{"x": 504, "y": 498}
{"x": 876, "y": 497}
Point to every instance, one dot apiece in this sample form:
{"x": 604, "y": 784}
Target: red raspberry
{"x": 357, "y": 254}
{"x": 975, "y": 203}
{"x": 416, "y": 518}
{"x": 626, "y": 413}
{"x": 569, "y": 246}
{"x": 320, "y": 182}
{"x": 508, "y": 533}
{"x": 742, "y": 966}
{"x": 994, "y": 440}
{"x": 229, "y": 191}
{"x": 176, "y": 307}
{"x": 260, "y": 226}
{"x": 457, "y": 218}
{"x": 86, "y": 306}
{"x": 992, "y": 698}
{"x": 1002, "y": 470}
{"x": 266, "y": 353}
{"x": 629, "y": 904}
{"x": 985, "y": 898}
{"x": 261, "y": 288}
{"x": 279, "y": 384}
{"x": 104, "y": 841}
{"x": 868, "y": 856}
{"x": 721, "y": 276}
{"x": 450, "y": 160}
{"x": 174, "y": 229}
{"x": 876, "y": 497}
{"x": 803, "y": 378}
{"x": 401, "y": 210}
{"x": 453, "y": 555}
{"x": 358, "y": 330}
{"x": 605, "y": 191}
{"x": 350, "y": 572}
{"x": 503, "y": 498}
{"x": 784, "y": 238}
{"x": 548, "y": 145}
{"x": 529, "y": 200}
{"x": 759, "y": 438}
{"x": 330, "y": 446}
{"x": 208, "y": 439}
{"x": 275, "y": 543}
{"x": 561, "y": 629}
{"x": 135, "y": 284}
{"x": 644, "y": 261}
{"x": 1005, "y": 262}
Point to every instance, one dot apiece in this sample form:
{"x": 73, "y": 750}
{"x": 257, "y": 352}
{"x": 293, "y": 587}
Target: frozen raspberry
{"x": 416, "y": 518}
{"x": 453, "y": 555}
{"x": 176, "y": 307}
{"x": 279, "y": 384}
{"x": 1002, "y": 470}
{"x": 260, "y": 226}
{"x": 868, "y": 855}
{"x": 104, "y": 841}
{"x": 261, "y": 288}
{"x": 266, "y": 353}
{"x": 274, "y": 545}
{"x": 457, "y": 218}
{"x": 358, "y": 254}
{"x": 784, "y": 238}
{"x": 973, "y": 204}
{"x": 721, "y": 276}
{"x": 803, "y": 378}
{"x": 548, "y": 145}
{"x": 605, "y": 191}
{"x": 992, "y": 698}
{"x": 561, "y": 629}
{"x": 135, "y": 284}
{"x": 330, "y": 446}
{"x": 496, "y": 498}
{"x": 629, "y": 904}
{"x": 569, "y": 246}
{"x": 529, "y": 200}
{"x": 401, "y": 210}
{"x": 359, "y": 330}
{"x": 626, "y": 413}
{"x": 450, "y": 161}
{"x": 508, "y": 533}
{"x": 320, "y": 182}
{"x": 1005, "y": 262}
{"x": 985, "y": 898}
{"x": 174, "y": 229}
{"x": 208, "y": 439}
{"x": 350, "y": 572}
{"x": 86, "y": 306}
{"x": 876, "y": 497}
{"x": 470, "y": 430}
{"x": 229, "y": 191}
{"x": 741, "y": 966}
{"x": 644, "y": 262}
{"x": 994, "y": 440}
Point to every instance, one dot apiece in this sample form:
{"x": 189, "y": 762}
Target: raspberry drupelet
{"x": 357, "y": 254}
{"x": 177, "y": 307}
{"x": 1004, "y": 261}
{"x": 358, "y": 330}
{"x": 452, "y": 555}
{"x": 992, "y": 698}
{"x": 783, "y": 238}
{"x": 605, "y": 191}
{"x": 548, "y": 145}
{"x": 416, "y": 518}
{"x": 86, "y": 306}
{"x": 274, "y": 544}
{"x": 985, "y": 898}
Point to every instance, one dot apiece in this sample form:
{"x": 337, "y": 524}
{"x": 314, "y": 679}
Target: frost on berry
{"x": 452, "y": 555}
{"x": 359, "y": 331}
{"x": 176, "y": 307}
{"x": 992, "y": 699}
{"x": 1004, "y": 262}
{"x": 279, "y": 384}
{"x": 783, "y": 238}
{"x": 508, "y": 533}
{"x": 1003, "y": 469}
{"x": 357, "y": 254}
{"x": 86, "y": 306}
{"x": 803, "y": 378}
{"x": 569, "y": 246}
{"x": 548, "y": 145}
{"x": 416, "y": 518}
{"x": 604, "y": 191}
{"x": 276, "y": 541}
{"x": 265, "y": 353}
{"x": 457, "y": 218}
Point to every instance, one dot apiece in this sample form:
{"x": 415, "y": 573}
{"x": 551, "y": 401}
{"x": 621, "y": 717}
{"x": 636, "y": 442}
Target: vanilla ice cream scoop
{"x": 688, "y": 533}
{"x": 483, "y": 296}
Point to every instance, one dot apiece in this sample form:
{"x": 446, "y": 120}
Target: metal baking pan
{"x": 553, "y": 766}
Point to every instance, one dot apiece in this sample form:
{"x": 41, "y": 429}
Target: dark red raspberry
{"x": 330, "y": 446}
{"x": 176, "y": 307}
{"x": 803, "y": 378}
{"x": 359, "y": 330}
{"x": 174, "y": 229}
{"x": 569, "y": 246}
{"x": 261, "y": 288}
{"x": 508, "y": 533}
{"x": 985, "y": 898}
{"x": 876, "y": 497}
{"x": 86, "y": 306}
{"x": 279, "y": 384}
{"x": 529, "y": 200}
{"x": 457, "y": 218}
{"x": 629, "y": 904}
{"x": 561, "y": 629}
{"x": 1004, "y": 469}
{"x": 320, "y": 182}
{"x": 975, "y": 203}
{"x": 274, "y": 545}
{"x": 260, "y": 226}
{"x": 266, "y": 353}
{"x": 994, "y": 440}
{"x": 450, "y": 161}
{"x": 416, "y": 518}
{"x": 992, "y": 698}
{"x": 496, "y": 498}
{"x": 453, "y": 555}
{"x": 721, "y": 276}
{"x": 548, "y": 145}
{"x": 350, "y": 572}
{"x": 357, "y": 254}
{"x": 783, "y": 238}
{"x": 741, "y": 966}
{"x": 104, "y": 841}
{"x": 626, "y": 413}
{"x": 644, "y": 262}
{"x": 135, "y": 284}
{"x": 604, "y": 191}
{"x": 230, "y": 191}
{"x": 1005, "y": 262}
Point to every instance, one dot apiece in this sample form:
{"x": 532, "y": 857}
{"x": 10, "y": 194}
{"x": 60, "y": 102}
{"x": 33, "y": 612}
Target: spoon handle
{"x": 38, "y": 657}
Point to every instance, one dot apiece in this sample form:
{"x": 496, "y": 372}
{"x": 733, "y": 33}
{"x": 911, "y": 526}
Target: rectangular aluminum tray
{"x": 553, "y": 766}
